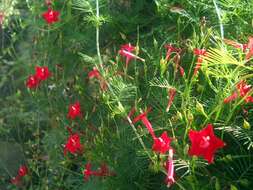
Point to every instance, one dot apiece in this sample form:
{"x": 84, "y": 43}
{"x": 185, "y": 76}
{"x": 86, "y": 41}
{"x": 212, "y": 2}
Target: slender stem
{"x": 219, "y": 17}
{"x": 109, "y": 87}
{"x": 138, "y": 136}
{"x": 97, "y": 36}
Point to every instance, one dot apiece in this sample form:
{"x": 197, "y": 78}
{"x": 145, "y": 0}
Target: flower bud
{"x": 246, "y": 124}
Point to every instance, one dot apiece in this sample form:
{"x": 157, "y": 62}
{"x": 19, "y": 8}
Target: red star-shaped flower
{"x": 162, "y": 144}
{"x": 42, "y": 73}
{"x": 204, "y": 143}
{"x": 32, "y": 82}
{"x": 74, "y": 110}
{"x": 73, "y": 144}
{"x": 51, "y": 16}
{"x": 22, "y": 171}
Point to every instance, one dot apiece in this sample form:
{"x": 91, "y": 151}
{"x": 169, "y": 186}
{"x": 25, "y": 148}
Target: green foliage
{"x": 33, "y": 122}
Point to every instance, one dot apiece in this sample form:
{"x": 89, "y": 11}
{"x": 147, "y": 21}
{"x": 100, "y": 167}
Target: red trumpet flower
{"x": 200, "y": 53}
{"x": 161, "y": 144}
{"x": 145, "y": 121}
{"x": 170, "y": 169}
{"x": 172, "y": 94}
{"x": 127, "y": 51}
{"x": 250, "y": 47}
{"x": 242, "y": 90}
{"x": 237, "y": 45}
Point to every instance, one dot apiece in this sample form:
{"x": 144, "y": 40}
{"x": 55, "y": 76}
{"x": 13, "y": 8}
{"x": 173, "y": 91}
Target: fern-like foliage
{"x": 83, "y": 6}
{"x": 244, "y": 136}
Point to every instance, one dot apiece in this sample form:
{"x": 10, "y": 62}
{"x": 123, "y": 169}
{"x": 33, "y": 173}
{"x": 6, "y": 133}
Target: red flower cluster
{"x": 41, "y": 73}
{"x": 243, "y": 90}
{"x": 200, "y": 53}
{"x": 161, "y": 145}
{"x": 23, "y": 171}
{"x": 127, "y": 51}
{"x": 204, "y": 143}
{"x": 103, "y": 171}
